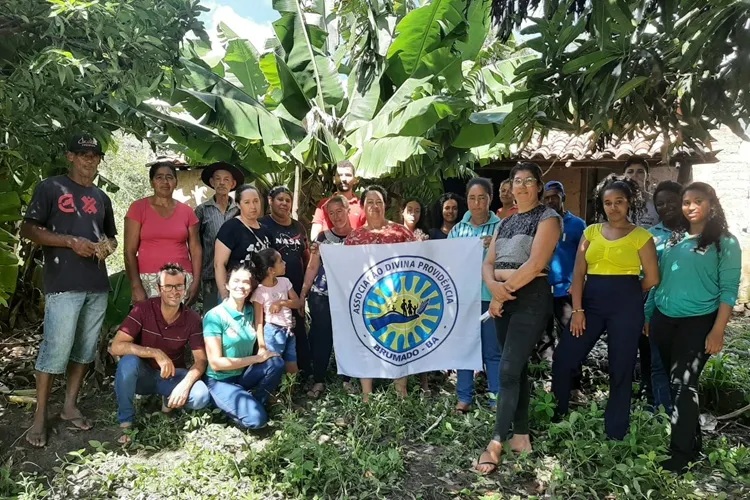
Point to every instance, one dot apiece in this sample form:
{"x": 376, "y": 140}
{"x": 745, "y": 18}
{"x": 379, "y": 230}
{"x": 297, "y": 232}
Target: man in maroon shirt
{"x": 346, "y": 181}
{"x": 152, "y": 342}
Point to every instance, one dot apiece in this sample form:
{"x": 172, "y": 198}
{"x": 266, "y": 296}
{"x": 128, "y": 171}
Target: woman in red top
{"x": 161, "y": 230}
{"x": 376, "y": 231}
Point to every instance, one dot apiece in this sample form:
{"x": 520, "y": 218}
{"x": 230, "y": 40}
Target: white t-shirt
{"x": 266, "y": 296}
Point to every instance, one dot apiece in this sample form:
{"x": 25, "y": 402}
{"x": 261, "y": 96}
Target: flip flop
{"x": 81, "y": 423}
{"x": 486, "y": 462}
{"x": 463, "y": 411}
{"x": 315, "y": 393}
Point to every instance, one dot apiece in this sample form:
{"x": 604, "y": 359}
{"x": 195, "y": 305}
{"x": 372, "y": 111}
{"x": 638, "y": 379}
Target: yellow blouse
{"x": 618, "y": 257}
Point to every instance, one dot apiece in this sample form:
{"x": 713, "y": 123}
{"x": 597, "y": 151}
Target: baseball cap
{"x": 555, "y": 185}
{"x": 82, "y": 143}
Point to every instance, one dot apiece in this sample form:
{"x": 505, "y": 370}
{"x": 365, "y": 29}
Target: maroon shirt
{"x": 147, "y": 326}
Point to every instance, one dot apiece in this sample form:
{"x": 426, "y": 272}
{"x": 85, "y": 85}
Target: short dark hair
{"x": 277, "y": 190}
{"x": 376, "y": 188}
{"x": 482, "y": 182}
{"x": 246, "y": 187}
{"x": 669, "y": 187}
{"x": 423, "y": 215}
{"x": 172, "y": 269}
{"x": 156, "y": 166}
{"x": 347, "y": 164}
{"x": 241, "y": 266}
{"x": 536, "y": 171}
{"x": 635, "y": 160}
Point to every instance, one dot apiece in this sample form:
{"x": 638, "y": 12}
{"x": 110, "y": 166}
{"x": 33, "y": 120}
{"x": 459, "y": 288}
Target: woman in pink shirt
{"x": 161, "y": 230}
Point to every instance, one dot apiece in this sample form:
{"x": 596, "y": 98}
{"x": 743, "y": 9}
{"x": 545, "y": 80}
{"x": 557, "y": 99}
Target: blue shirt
{"x": 564, "y": 258}
{"x": 465, "y": 229}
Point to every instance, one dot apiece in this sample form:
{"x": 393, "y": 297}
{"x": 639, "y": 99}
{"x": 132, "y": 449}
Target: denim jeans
{"x": 659, "y": 380}
{"x": 72, "y": 323}
{"x": 491, "y": 354}
{"x": 279, "y": 339}
{"x": 136, "y": 376}
{"x": 243, "y": 397}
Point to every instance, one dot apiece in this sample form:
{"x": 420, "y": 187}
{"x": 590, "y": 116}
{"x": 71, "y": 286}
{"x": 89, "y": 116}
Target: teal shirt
{"x": 237, "y": 332}
{"x": 661, "y": 237}
{"x": 695, "y": 283}
{"x": 465, "y": 229}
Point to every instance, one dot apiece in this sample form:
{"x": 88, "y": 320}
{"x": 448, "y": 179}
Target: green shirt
{"x": 237, "y": 332}
{"x": 694, "y": 283}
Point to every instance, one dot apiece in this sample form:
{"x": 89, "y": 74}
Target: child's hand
{"x": 275, "y": 307}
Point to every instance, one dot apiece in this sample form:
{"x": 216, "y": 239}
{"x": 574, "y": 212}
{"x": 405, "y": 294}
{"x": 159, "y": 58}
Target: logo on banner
{"x": 403, "y": 308}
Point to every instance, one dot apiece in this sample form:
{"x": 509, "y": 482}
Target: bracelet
{"x": 577, "y": 311}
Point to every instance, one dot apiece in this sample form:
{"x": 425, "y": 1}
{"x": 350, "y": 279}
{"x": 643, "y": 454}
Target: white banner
{"x": 405, "y": 308}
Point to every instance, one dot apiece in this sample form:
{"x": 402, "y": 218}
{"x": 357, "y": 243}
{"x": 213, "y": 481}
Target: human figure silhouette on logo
{"x": 411, "y": 309}
{"x": 404, "y": 308}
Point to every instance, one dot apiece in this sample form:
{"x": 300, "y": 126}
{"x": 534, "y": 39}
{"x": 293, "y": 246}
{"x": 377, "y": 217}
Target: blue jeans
{"x": 279, "y": 339}
{"x": 72, "y": 323}
{"x": 660, "y": 380}
{"x": 136, "y": 376}
{"x": 491, "y": 355}
{"x": 243, "y": 397}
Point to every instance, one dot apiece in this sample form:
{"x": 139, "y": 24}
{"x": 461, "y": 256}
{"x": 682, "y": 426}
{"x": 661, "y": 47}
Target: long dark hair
{"x": 716, "y": 225}
{"x": 423, "y": 215}
{"x": 262, "y": 262}
{"x": 437, "y": 210}
{"x": 626, "y": 186}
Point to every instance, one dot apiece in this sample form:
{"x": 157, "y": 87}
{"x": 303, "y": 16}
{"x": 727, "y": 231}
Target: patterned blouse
{"x": 515, "y": 235}
{"x": 420, "y": 235}
{"x": 390, "y": 233}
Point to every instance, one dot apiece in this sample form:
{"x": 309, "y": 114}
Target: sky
{"x": 250, "y": 19}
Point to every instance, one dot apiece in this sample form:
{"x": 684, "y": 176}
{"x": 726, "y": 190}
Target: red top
{"x": 162, "y": 240}
{"x": 507, "y": 213}
{"x": 148, "y": 328}
{"x": 392, "y": 233}
{"x": 356, "y": 215}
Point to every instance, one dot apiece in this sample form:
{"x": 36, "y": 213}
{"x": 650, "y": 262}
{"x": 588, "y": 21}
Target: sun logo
{"x": 403, "y": 309}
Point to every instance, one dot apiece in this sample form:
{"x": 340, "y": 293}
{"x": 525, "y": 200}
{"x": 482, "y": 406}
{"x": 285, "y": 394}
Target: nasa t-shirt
{"x": 242, "y": 241}
{"x": 65, "y": 207}
{"x": 291, "y": 242}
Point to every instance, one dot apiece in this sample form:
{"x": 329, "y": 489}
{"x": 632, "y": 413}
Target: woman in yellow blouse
{"x": 607, "y": 293}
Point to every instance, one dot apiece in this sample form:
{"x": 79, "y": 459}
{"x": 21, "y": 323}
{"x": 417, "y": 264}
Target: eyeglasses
{"x": 171, "y": 288}
{"x": 528, "y": 182}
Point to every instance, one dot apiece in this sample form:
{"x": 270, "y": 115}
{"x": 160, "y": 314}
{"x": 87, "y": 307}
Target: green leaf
{"x": 586, "y": 60}
{"x": 244, "y": 62}
{"x": 478, "y": 26}
{"x": 630, "y": 86}
{"x": 379, "y": 156}
{"x": 420, "y": 32}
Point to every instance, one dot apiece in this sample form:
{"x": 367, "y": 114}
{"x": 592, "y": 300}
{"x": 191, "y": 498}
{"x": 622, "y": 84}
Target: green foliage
{"x": 75, "y": 65}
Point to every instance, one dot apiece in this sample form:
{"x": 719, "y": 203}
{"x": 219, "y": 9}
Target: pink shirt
{"x": 162, "y": 240}
{"x": 267, "y": 295}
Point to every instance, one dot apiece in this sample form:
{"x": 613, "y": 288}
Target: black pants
{"x": 614, "y": 304}
{"x": 321, "y": 335}
{"x": 644, "y": 355}
{"x": 518, "y": 331}
{"x": 562, "y": 311}
{"x": 682, "y": 347}
{"x": 303, "y": 345}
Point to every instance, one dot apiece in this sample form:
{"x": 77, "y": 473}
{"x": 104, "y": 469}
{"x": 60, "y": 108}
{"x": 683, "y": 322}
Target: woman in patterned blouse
{"x": 377, "y": 231}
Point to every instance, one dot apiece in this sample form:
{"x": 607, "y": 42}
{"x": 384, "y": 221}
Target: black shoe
{"x": 674, "y": 465}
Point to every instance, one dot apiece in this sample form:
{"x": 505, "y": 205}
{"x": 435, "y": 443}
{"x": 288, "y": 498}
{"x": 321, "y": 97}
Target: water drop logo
{"x": 403, "y": 308}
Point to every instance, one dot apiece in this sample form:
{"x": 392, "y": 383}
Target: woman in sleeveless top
{"x": 607, "y": 294}
{"x": 515, "y": 270}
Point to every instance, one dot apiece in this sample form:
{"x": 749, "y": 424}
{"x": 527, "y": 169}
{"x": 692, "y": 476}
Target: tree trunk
{"x": 297, "y": 184}
{"x": 685, "y": 172}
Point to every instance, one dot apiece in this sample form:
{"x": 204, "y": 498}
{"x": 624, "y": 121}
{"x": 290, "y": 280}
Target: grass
{"x": 338, "y": 447}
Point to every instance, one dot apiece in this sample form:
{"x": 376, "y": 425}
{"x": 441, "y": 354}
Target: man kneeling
{"x": 152, "y": 342}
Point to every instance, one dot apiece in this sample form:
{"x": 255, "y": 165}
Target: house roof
{"x": 561, "y": 146}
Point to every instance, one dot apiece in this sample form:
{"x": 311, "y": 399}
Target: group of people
{"x": 673, "y": 285}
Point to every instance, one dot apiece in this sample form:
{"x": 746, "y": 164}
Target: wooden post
{"x": 685, "y": 172}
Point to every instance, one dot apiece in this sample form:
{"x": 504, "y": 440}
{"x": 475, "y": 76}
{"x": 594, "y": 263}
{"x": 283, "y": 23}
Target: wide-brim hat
{"x": 208, "y": 172}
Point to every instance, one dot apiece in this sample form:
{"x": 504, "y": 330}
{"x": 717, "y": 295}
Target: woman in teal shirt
{"x": 700, "y": 276}
{"x": 239, "y": 383}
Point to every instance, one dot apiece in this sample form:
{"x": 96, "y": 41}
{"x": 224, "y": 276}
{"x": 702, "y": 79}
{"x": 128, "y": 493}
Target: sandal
{"x": 493, "y": 464}
{"x": 316, "y": 391}
{"x": 463, "y": 408}
{"x": 125, "y": 438}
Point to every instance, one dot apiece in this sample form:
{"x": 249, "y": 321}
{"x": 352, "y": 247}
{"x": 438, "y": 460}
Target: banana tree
{"x": 394, "y": 92}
